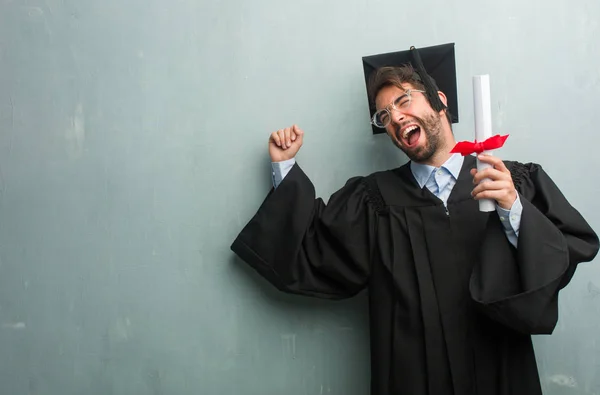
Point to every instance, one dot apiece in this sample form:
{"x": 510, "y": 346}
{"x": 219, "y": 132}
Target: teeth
{"x": 408, "y": 130}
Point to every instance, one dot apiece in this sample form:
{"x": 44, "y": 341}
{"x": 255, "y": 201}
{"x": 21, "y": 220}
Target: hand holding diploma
{"x": 493, "y": 179}
{"x": 494, "y": 183}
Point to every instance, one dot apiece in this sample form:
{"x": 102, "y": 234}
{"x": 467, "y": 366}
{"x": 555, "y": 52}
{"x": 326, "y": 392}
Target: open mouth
{"x": 410, "y": 135}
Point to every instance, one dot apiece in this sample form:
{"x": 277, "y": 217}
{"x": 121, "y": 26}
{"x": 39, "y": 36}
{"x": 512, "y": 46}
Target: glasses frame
{"x": 392, "y": 106}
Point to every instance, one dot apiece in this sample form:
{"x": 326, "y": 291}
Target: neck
{"x": 438, "y": 159}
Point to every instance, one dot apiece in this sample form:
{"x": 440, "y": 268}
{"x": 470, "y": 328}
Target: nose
{"x": 396, "y": 120}
{"x": 397, "y": 116}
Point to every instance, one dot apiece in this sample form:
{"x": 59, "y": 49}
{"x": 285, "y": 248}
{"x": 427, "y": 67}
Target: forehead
{"x": 389, "y": 93}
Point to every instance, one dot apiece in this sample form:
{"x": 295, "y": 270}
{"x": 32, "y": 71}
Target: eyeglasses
{"x": 383, "y": 117}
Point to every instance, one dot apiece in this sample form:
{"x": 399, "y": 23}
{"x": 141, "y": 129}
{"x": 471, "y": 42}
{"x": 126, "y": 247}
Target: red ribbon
{"x": 467, "y": 147}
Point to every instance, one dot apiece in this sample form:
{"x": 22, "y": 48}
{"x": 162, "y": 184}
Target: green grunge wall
{"x": 133, "y": 148}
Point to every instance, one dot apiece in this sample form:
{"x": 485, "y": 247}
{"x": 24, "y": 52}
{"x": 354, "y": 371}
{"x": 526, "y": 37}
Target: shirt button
{"x": 439, "y": 173}
{"x": 513, "y": 218}
{"x": 502, "y": 218}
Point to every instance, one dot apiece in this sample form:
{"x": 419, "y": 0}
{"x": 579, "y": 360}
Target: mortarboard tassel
{"x": 430, "y": 88}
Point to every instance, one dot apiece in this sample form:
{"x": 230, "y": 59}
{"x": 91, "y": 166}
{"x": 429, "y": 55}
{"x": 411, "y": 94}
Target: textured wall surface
{"x": 133, "y": 148}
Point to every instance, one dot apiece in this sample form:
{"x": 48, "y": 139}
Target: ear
{"x": 443, "y": 98}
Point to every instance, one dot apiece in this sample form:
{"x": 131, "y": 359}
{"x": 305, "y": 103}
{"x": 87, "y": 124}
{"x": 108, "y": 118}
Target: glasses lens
{"x": 403, "y": 101}
{"x": 381, "y": 118}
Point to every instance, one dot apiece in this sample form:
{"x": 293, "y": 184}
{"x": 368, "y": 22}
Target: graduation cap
{"x": 437, "y": 62}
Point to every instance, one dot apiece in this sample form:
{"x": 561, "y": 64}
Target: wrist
{"x": 507, "y": 204}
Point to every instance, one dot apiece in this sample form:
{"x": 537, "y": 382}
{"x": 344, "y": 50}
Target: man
{"x": 454, "y": 293}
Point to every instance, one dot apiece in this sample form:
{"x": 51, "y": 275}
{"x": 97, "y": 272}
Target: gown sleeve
{"x": 519, "y": 287}
{"x": 303, "y": 246}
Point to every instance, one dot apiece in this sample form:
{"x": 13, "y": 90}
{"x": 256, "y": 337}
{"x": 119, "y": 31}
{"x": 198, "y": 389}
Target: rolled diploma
{"x": 483, "y": 126}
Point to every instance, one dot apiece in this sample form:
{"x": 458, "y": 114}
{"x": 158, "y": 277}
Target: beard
{"x": 431, "y": 126}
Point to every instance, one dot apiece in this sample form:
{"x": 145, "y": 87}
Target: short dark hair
{"x": 396, "y": 76}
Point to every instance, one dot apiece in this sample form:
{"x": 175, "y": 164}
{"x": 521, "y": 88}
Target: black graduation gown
{"x": 452, "y": 302}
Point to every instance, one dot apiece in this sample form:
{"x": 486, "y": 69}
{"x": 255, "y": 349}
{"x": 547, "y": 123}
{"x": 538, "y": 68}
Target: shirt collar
{"x": 422, "y": 172}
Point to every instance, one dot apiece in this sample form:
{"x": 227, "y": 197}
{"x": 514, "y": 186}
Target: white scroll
{"x": 483, "y": 126}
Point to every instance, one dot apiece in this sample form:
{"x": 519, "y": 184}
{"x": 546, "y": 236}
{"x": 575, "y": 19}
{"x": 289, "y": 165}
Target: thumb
{"x": 299, "y": 133}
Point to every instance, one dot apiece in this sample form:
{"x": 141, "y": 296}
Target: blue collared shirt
{"x": 440, "y": 182}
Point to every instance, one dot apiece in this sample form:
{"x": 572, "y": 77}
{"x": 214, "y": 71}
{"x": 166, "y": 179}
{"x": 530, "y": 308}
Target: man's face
{"x": 417, "y": 129}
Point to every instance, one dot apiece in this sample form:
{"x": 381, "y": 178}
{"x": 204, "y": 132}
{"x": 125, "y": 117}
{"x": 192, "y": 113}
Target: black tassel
{"x": 430, "y": 87}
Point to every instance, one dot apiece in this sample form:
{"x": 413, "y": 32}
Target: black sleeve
{"x": 303, "y": 246}
{"x": 519, "y": 288}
